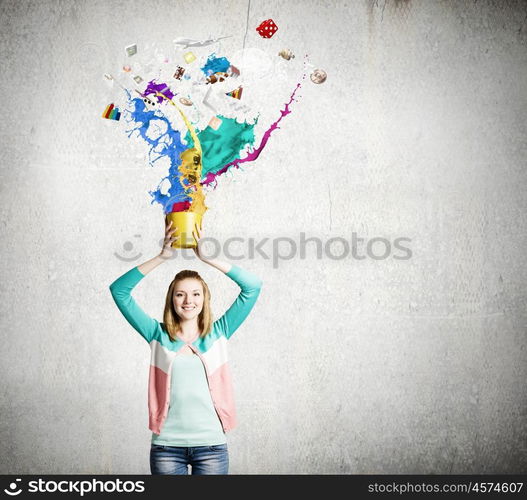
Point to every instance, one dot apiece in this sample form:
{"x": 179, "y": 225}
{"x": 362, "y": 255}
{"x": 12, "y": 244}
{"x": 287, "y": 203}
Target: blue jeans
{"x": 176, "y": 459}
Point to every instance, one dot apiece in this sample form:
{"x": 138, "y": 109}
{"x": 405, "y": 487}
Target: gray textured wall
{"x": 344, "y": 366}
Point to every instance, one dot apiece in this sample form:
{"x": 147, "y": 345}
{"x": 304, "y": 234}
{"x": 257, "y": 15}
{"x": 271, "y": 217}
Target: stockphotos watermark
{"x": 284, "y": 248}
{"x": 80, "y": 487}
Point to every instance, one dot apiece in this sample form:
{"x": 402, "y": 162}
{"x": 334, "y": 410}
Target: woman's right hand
{"x": 167, "y": 250}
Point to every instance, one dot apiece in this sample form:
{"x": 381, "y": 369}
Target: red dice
{"x": 267, "y": 29}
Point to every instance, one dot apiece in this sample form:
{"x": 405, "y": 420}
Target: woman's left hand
{"x": 198, "y": 234}
{"x": 224, "y": 267}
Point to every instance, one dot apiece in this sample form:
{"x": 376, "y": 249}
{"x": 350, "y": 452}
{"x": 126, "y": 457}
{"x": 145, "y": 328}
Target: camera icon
{"x": 12, "y": 487}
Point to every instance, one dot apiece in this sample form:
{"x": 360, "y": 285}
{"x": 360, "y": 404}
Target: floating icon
{"x": 318, "y": 76}
{"x": 191, "y": 42}
{"x": 233, "y": 71}
{"x": 215, "y": 123}
{"x": 111, "y": 112}
{"x": 217, "y": 77}
{"x": 137, "y": 79}
{"x": 267, "y": 28}
{"x": 149, "y": 102}
{"x": 206, "y": 101}
{"x": 179, "y": 73}
{"x": 286, "y": 54}
{"x": 131, "y": 50}
{"x": 236, "y": 93}
{"x": 185, "y": 102}
{"x": 189, "y": 57}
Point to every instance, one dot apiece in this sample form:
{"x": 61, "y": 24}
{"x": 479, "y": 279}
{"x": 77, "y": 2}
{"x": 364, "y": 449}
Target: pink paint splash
{"x": 210, "y": 179}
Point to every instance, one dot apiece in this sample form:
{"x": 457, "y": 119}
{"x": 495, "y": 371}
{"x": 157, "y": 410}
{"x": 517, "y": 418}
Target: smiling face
{"x": 188, "y": 298}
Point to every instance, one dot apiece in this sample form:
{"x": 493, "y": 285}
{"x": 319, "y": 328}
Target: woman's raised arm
{"x": 250, "y": 286}
{"x": 121, "y": 290}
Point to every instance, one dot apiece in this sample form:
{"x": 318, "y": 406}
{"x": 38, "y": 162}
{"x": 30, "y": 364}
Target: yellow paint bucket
{"x": 185, "y": 223}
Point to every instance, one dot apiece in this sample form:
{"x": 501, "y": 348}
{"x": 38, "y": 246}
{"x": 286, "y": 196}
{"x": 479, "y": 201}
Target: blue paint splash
{"x": 215, "y": 64}
{"x": 165, "y": 142}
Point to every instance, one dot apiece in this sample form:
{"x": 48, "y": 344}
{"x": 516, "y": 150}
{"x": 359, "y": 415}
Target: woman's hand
{"x": 198, "y": 233}
{"x": 167, "y": 250}
{"x": 224, "y": 267}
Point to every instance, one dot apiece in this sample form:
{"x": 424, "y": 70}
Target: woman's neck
{"x": 188, "y": 329}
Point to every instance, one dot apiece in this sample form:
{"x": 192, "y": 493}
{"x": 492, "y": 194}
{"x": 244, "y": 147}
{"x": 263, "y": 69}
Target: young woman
{"x": 190, "y": 394}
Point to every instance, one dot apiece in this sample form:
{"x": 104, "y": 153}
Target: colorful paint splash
{"x": 162, "y": 88}
{"x": 191, "y": 166}
{"x": 220, "y": 149}
{"x": 223, "y": 146}
{"x": 165, "y": 142}
{"x": 211, "y": 175}
{"x": 196, "y": 157}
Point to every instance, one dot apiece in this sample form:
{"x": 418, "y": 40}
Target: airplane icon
{"x": 191, "y": 42}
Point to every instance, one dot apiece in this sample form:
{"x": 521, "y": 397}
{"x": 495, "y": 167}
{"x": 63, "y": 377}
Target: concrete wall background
{"x": 344, "y": 366}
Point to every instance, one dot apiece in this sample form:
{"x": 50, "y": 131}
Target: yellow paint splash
{"x": 191, "y": 166}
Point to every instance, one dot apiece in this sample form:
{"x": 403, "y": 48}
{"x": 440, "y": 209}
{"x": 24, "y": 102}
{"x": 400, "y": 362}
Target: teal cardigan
{"x": 212, "y": 349}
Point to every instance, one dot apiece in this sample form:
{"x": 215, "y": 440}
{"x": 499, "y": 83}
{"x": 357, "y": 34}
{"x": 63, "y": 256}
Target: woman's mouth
{"x": 188, "y": 308}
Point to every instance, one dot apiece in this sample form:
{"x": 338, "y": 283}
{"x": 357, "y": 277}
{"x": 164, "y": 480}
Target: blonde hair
{"x": 171, "y": 319}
